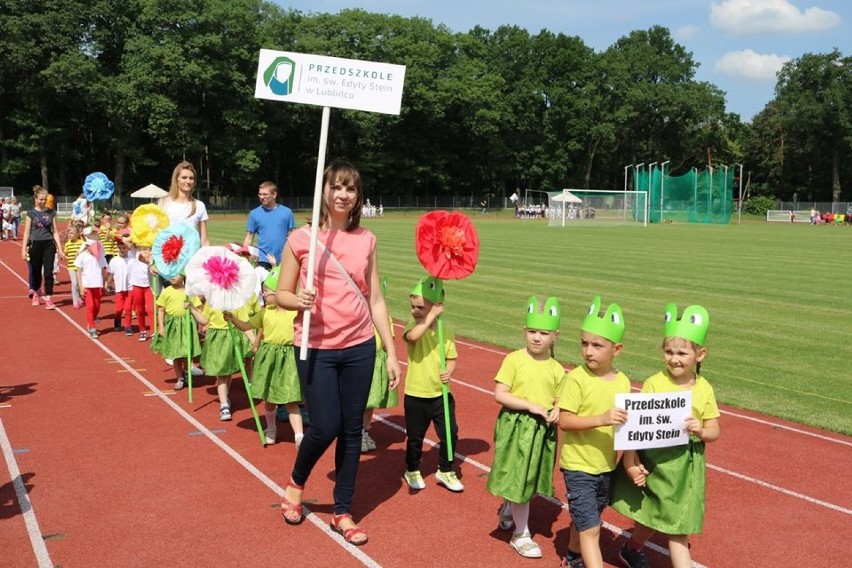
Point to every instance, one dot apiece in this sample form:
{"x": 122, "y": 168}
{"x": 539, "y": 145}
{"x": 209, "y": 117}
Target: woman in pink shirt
{"x": 345, "y": 300}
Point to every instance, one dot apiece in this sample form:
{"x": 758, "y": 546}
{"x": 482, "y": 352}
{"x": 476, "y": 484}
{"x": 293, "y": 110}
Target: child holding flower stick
{"x": 527, "y": 386}
{"x": 177, "y": 336}
{"x": 424, "y": 401}
{"x": 275, "y": 379}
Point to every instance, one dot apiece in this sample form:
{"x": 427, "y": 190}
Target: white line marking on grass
{"x": 33, "y": 530}
{"x": 236, "y": 456}
{"x": 609, "y": 526}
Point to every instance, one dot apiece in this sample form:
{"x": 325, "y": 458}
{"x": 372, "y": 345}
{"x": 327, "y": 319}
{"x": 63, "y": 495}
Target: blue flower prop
{"x": 173, "y": 247}
{"x": 98, "y": 187}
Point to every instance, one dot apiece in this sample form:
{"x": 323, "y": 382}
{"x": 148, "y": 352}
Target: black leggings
{"x": 42, "y": 256}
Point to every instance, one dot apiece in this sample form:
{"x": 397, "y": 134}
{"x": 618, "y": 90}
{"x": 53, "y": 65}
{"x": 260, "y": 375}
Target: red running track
{"x": 108, "y": 467}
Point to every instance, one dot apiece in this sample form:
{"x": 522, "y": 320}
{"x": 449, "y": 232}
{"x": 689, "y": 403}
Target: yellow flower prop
{"x": 146, "y": 221}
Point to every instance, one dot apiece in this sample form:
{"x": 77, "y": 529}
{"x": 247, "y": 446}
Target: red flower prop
{"x": 171, "y": 248}
{"x": 447, "y": 245}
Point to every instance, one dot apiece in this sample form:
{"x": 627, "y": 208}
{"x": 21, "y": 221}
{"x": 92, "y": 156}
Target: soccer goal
{"x": 601, "y": 206}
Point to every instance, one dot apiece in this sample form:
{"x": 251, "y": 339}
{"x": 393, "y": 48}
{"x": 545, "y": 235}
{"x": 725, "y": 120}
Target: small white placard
{"x": 329, "y": 81}
{"x": 654, "y": 420}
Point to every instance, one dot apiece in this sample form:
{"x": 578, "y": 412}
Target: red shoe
{"x": 293, "y": 513}
{"x": 353, "y": 535}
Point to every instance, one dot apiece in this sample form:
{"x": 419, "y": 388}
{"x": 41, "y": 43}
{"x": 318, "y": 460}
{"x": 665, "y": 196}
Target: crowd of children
{"x": 661, "y": 489}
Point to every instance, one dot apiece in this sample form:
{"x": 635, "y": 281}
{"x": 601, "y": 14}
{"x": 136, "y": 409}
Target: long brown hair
{"x": 174, "y": 190}
{"x": 341, "y": 171}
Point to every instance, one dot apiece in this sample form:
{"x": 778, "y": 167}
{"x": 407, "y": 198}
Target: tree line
{"x": 131, "y": 87}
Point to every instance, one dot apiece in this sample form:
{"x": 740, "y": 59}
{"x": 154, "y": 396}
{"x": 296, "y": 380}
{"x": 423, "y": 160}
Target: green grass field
{"x": 780, "y": 338}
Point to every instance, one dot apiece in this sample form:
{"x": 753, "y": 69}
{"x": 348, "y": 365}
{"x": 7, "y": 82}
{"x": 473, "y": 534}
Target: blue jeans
{"x": 335, "y": 385}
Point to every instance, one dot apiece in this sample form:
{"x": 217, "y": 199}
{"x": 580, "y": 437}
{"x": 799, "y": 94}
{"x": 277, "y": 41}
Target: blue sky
{"x": 739, "y": 44}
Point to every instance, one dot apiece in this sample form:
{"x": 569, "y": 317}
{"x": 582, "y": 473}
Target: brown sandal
{"x": 293, "y": 513}
{"x": 350, "y": 534}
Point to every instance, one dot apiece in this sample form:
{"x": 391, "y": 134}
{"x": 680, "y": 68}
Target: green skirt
{"x": 172, "y": 344}
{"x": 380, "y": 396}
{"x": 672, "y": 501}
{"x": 217, "y": 353}
{"x": 275, "y": 378}
{"x": 524, "y": 457}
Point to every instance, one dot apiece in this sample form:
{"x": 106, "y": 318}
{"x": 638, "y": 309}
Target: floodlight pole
{"x": 740, "y": 200}
{"x": 662, "y": 186}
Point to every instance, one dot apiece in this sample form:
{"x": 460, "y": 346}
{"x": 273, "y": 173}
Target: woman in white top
{"x": 180, "y": 205}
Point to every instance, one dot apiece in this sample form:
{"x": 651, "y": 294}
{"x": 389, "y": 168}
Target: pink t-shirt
{"x": 339, "y": 318}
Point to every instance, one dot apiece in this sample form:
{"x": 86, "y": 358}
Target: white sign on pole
{"x": 329, "y": 81}
{"x": 654, "y": 420}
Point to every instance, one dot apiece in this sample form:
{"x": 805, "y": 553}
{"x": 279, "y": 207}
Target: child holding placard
{"x": 527, "y": 387}
{"x": 587, "y": 414}
{"x": 662, "y": 489}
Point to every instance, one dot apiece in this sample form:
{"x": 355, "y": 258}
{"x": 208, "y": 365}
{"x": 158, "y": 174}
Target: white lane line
{"x": 354, "y": 551}
{"x": 33, "y": 530}
{"x": 802, "y": 496}
{"x": 609, "y": 526}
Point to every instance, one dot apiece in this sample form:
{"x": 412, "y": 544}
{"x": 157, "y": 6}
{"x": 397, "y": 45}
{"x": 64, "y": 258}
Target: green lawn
{"x": 780, "y": 338}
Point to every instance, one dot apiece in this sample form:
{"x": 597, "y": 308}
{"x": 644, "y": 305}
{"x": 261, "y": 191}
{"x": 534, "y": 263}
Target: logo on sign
{"x": 279, "y": 77}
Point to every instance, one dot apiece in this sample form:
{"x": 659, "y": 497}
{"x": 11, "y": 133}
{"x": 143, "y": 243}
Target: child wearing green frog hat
{"x": 527, "y": 387}
{"x": 587, "y": 415}
{"x": 663, "y": 489}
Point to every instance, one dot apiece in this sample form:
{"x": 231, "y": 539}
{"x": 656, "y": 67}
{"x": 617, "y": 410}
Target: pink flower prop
{"x": 447, "y": 245}
{"x": 226, "y": 280}
{"x": 222, "y": 272}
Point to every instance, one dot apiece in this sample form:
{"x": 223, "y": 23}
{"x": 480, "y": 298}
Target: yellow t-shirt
{"x": 217, "y": 321}
{"x": 586, "y": 394}
{"x": 172, "y": 300}
{"x": 71, "y": 250}
{"x": 276, "y": 323}
{"x": 109, "y": 243}
{"x": 423, "y": 378}
{"x": 704, "y": 405}
{"x": 535, "y": 381}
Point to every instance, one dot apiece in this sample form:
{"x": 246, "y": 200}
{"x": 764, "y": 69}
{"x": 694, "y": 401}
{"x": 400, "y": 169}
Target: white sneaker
{"x": 414, "y": 479}
{"x": 224, "y": 413}
{"x": 170, "y": 362}
{"x": 196, "y": 372}
{"x": 449, "y": 480}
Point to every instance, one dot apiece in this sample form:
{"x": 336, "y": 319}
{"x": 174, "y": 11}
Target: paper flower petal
{"x": 97, "y": 186}
{"x": 447, "y": 245}
{"x": 226, "y": 280}
{"x": 145, "y": 222}
{"x": 173, "y": 247}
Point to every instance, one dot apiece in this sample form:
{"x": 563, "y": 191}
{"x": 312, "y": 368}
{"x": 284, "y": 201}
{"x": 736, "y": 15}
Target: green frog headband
{"x": 610, "y": 326}
{"x": 271, "y": 280}
{"x": 547, "y": 320}
{"x": 692, "y": 325}
{"x": 430, "y": 288}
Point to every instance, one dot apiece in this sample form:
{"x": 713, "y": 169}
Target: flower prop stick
{"x": 227, "y": 282}
{"x": 448, "y": 248}
{"x": 97, "y": 186}
{"x": 172, "y": 248}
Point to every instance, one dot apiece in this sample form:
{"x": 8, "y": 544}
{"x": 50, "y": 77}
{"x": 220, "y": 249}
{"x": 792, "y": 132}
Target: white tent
{"x": 150, "y": 191}
{"x": 566, "y": 197}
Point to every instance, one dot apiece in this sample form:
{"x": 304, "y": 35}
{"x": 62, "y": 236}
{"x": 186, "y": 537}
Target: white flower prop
{"x": 226, "y": 280}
